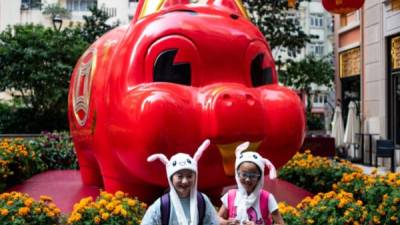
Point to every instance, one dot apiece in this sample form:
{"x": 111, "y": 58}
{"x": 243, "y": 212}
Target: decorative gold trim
{"x": 155, "y": 5}
{"x": 242, "y": 9}
{"x": 227, "y": 152}
{"x": 395, "y": 52}
{"x": 81, "y": 102}
{"x": 350, "y": 62}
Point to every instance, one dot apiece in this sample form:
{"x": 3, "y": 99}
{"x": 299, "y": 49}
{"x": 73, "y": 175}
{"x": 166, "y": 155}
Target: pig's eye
{"x": 259, "y": 75}
{"x": 165, "y": 70}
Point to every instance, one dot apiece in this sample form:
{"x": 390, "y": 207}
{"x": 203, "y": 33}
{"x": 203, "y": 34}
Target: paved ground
{"x": 381, "y": 170}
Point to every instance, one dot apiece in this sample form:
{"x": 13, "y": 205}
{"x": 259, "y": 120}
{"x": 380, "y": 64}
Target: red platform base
{"x": 66, "y": 189}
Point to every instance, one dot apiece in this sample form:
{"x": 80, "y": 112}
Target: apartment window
{"x": 31, "y": 4}
{"x": 80, "y": 5}
{"x": 316, "y": 21}
{"x": 319, "y": 99}
{"x": 317, "y": 49}
{"x": 346, "y": 19}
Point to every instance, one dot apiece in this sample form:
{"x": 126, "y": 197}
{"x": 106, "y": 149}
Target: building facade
{"x": 314, "y": 20}
{"x": 368, "y": 67}
{"x": 30, "y": 11}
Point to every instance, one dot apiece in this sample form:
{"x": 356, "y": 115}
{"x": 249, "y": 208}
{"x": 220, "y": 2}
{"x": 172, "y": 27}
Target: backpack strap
{"x": 201, "y": 207}
{"x": 165, "y": 209}
{"x": 264, "y": 195}
{"x": 231, "y": 203}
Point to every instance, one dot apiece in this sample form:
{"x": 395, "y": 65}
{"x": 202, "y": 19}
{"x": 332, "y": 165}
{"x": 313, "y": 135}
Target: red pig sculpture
{"x": 183, "y": 71}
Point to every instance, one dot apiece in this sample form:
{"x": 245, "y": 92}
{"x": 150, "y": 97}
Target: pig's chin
{"x": 227, "y": 152}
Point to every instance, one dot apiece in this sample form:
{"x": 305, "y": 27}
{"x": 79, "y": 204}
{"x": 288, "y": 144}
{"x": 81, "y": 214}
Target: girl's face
{"x": 183, "y": 181}
{"x": 249, "y": 175}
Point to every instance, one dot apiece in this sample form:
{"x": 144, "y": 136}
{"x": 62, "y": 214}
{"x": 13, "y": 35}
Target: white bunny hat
{"x": 179, "y": 162}
{"x": 243, "y": 201}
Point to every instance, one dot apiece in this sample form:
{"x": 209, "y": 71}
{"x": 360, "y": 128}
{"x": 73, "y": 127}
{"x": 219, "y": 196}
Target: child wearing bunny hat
{"x": 183, "y": 196}
{"x": 250, "y": 204}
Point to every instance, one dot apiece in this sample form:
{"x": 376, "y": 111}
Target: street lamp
{"x": 57, "y": 22}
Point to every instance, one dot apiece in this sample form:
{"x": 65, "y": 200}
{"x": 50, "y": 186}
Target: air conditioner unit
{"x": 24, "y": 6}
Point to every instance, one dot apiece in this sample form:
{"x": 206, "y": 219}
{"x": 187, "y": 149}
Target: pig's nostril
{"x": 226, "y": 98}
{"x": 250, "y": 99}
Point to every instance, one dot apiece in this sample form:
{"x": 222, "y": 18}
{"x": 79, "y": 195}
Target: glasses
{"x": 251, "y": 176}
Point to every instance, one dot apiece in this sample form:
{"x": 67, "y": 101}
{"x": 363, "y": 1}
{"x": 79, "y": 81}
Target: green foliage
{"x": 56, "y": 150}
{"x": 36, "y": 62}
{"x": 95, "y": 25}
{"x": 306, "y": 72}
{"x": 280, "y": 31}
{"x": 314, "y": 122}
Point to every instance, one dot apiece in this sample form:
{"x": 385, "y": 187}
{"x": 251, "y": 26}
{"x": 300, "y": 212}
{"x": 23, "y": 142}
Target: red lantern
{"x": 342, "y": 6}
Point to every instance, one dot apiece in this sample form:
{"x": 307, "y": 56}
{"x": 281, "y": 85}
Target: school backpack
{"x": 166, "y": 208}
{"x": 263, "y": 205}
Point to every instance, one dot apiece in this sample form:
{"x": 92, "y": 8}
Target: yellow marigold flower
{"x": 102, "y": 202}
{"x": 376, "y": 220}
{"x": 124, "y": 213}
{"x": 97, "y": 220}
{"x": 117, "y": 210}
{"x": 110, "y": 206}
{"x": 105, "y": 216}
{"x": 131, "y": 202}
{"x": 50, "y": 214}
{"x": 52, "y": 206}
{"x": 28, "y": 202}
{"x": 23, "y": 211}
{"x": 4, "y": 212}
{"x": 310, "y": 221}
{"x": 394, "y": 218}
{"x": 37, "y": 210}
{"x": 119, "y": 194}
{"x": 10, "y": 203}
{"x": 46, "y": 198}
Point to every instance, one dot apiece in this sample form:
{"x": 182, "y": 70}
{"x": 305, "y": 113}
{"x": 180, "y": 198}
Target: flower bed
{"x": 17, "y": 162}
{"x": 380, "y": 194}
{"x": 313, "y": 173}
{"x": 20, "y": 159}
{"x": 18, "y": 208}
{"x": 108, "y": 209}
{"x": 56, "y": 150}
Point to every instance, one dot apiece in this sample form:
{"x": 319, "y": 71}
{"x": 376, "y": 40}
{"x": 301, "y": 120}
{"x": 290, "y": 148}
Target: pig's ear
{"x": 161, "y": 157}
{"x": 271, "y": 167}
{"x": 201, "y": 149}
{"x": 236, "y": 6}
{"x": 241, "y": 148}
{"x": 147, "y": 7}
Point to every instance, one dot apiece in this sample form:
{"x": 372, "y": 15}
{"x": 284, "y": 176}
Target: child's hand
{"x": 232, "y": 221}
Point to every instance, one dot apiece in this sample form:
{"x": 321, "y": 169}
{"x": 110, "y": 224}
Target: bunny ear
{"x": 201, "y": 149}
{"x": 271, "y": 167}
{"x": 241, "y": 148}
{"x": 161, "y": 157}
